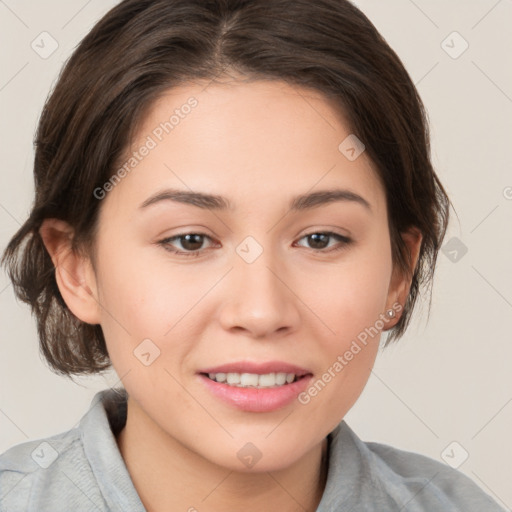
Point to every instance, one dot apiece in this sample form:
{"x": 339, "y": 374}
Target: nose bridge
{"x": 257, "y": 265}
{"x": 261, "y": 301}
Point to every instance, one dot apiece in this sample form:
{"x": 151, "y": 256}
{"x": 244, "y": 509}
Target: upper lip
{"x": 258, "y": 368}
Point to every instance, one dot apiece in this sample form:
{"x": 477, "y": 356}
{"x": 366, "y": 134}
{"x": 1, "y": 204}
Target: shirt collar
{"x": 106, "y": 415}
{"x": 349, "y": 475}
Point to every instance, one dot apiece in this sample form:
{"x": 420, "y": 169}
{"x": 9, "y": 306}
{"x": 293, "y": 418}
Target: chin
{"x": 260, "y": 455}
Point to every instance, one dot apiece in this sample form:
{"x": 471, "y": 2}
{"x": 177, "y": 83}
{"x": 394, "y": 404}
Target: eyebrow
{"x": 216, "y": 202}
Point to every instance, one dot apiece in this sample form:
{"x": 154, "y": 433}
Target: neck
{"x": 180, "y": 479}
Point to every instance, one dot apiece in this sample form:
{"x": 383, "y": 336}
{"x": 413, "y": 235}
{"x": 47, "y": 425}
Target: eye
{"x": 319, "y": 241}
{"x": 190, "y": 242}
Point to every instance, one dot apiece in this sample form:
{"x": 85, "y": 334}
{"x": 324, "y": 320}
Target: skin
{"x": 259, "y": 144}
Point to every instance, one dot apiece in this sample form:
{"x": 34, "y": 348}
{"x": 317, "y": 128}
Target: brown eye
{"x": 191, "y": 243}
{"x": 319, "y": 241}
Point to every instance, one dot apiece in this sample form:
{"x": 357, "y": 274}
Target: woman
{"x": 234, "y": 199}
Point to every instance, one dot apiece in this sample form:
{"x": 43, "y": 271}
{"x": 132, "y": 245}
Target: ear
{"x": 400, "y": 283}
{"x": 73, "y": 272}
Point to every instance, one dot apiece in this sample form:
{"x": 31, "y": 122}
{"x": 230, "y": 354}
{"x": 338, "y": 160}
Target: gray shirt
{"x": 83, "y": 470}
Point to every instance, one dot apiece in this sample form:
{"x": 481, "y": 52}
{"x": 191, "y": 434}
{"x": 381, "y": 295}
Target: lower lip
{"x": 257, "y": 400}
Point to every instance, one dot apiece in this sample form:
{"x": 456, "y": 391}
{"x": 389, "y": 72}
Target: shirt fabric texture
{"x": 83, "y": 470}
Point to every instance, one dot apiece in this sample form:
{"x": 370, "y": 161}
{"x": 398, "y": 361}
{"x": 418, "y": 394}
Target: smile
{"x": 255, "y": 387}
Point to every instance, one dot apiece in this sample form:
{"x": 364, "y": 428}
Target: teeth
{"x": 281, "y": 378}
{"x": 249, "y": 379}
{"x": 219, "y": 377}
{"x": 269, "y": 379}
{"x": 233, "y": 378}
{"x": 245, "y": 380}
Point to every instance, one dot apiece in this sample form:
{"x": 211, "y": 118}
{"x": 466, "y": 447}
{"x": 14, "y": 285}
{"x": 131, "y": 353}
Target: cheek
{"x": 351, "y": 295}
{"x": 351, "y": 308}
{"x": 144, "y": 294}
{"x": 144, "y": 297}
{"x": 351, "y": 301}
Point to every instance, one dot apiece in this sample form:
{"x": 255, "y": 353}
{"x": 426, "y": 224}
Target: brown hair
{"x": 139, "y": 50}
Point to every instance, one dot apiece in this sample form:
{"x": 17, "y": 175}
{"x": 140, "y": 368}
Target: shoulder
{"x": 45, "y": 473}
{"x": 374, "y": 476}
{"x": 426, "y": 483}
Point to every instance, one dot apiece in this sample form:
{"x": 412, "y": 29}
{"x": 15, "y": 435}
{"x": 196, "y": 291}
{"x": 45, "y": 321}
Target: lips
{"x": 256, "y": 387}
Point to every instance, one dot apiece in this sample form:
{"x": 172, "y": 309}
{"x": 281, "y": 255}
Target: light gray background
{"x": 449, "y": 379}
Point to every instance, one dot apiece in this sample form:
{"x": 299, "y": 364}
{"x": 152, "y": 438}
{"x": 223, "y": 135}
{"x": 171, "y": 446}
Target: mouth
{"x": 256, "y": 387}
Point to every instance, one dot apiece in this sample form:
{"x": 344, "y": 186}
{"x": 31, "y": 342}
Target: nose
{"x": 259, "y": 298}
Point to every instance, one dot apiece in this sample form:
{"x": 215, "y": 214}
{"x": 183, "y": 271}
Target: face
{"x": 253, "y": 281}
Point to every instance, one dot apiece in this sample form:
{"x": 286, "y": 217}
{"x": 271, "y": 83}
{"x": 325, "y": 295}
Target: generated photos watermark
{"x": 344, "y": 359}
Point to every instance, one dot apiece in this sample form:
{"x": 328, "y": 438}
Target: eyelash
{"x": 165, "y": 243}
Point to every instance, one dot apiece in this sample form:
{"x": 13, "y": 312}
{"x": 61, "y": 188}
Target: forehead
{"x": 242, "y": 109}
{"x": 241, "y": 139}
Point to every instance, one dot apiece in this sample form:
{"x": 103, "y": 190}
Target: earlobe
{"x": 73, "y": 272}
{"x": 401, "y": 281}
